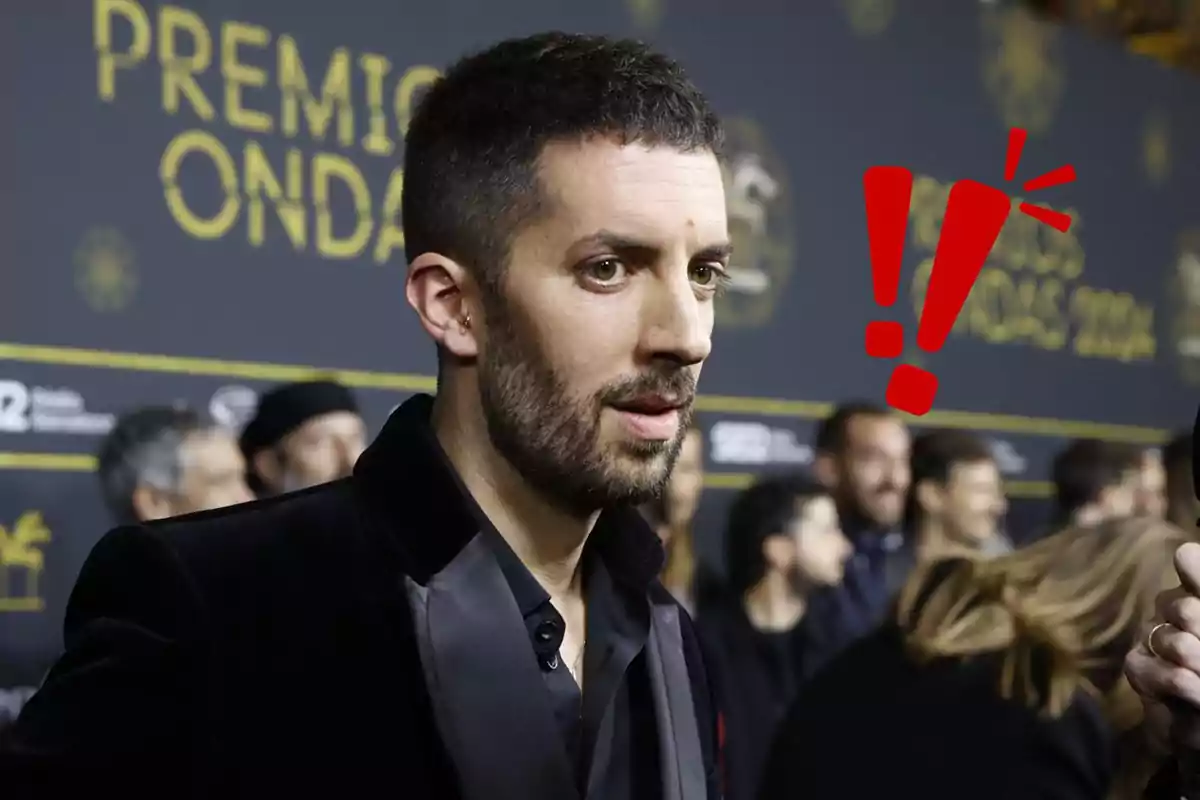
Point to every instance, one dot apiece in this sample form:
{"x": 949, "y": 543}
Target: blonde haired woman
{"x": 996, "y": 680}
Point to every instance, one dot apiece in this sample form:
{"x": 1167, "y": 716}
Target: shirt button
{"x": 546, "y": 631}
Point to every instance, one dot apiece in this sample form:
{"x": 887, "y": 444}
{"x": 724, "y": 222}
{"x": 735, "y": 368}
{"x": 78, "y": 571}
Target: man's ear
{"x": 267, "y": 468}
{"x": 929, "y": 496}
{"x": 824, "y": 469}
{"x": 439, "y": 289}
{"x": 779, "y": 551}
{"x": 149, "y": 504}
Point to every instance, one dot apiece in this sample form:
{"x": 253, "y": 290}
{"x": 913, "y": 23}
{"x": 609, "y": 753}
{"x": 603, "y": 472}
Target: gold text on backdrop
{"x": 258, "y": 84}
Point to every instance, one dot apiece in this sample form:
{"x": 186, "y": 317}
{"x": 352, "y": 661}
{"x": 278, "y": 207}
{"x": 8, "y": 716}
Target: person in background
{"x": 862, "y": 456}
{"x": 160, "y": 462}
{"x": 782, "y": 540}
{"x": 996, "y": 679}
{"x": 671, "y": 515}
{"x": 1094, "y": 481}
{"x": 957, "y": 498}
{"x": 302, "y": 435}
{"x": 1183, "y": 509}
{"x": 1150, "y": 497}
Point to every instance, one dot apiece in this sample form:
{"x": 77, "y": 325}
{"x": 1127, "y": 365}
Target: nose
{"x": 677, "y": 324}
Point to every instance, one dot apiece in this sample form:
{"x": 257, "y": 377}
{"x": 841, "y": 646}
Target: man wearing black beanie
{"x": 302, "y": 434}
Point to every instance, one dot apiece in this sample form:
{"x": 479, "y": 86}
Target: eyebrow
{"x": 625, "y": 244}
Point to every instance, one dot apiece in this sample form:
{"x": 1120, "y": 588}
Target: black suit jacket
{"x": 357, "y": 637}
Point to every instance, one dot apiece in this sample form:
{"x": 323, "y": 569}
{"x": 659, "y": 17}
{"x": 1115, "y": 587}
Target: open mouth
{"x": 652, "y": 417}
{"x": 649, "y": 405}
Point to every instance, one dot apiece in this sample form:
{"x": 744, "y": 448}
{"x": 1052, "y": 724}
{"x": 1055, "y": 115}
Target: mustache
{"x": 677, "y": 384}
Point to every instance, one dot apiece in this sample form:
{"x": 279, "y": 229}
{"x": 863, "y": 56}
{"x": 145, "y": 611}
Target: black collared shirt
{"x": 610, "y": 733}
{"x": 613, "y": 665}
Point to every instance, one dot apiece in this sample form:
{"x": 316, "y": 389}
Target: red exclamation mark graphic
{"x": 975, "y": 214}
{"x": 888, "y": 191}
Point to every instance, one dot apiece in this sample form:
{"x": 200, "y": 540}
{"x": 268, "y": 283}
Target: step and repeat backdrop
{"x": 201, "y": 199}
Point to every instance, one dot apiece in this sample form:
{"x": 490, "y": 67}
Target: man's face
{"x": 213, "y": 476}
{"x": 972, "y": 503}
{"x": 1151, "y": 495}
{"x": 820, "y": 546}
{"x": 323, "y": 449}
{"x": 594, "y": 343}
{"x": 874, "y": 470}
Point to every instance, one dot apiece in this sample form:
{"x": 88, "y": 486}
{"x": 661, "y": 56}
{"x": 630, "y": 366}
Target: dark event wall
{"x": 177, "y": 227}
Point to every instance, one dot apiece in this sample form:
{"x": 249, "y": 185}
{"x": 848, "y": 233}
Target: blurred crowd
{"x": 872, "y": 603}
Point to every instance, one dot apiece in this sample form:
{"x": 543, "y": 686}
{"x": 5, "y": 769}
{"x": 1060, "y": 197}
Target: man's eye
{"x": 605, "y": 271}
{"x": 708, "y": 276}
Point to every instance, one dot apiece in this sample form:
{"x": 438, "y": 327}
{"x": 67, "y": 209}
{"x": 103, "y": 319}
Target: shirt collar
{"x": 406, "y": 476}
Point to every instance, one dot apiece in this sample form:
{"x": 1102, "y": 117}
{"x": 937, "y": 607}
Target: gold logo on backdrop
{"x": 105, "y": 273}
{"x": 1156, "y": 148}
{"x": 1184, "y": 292}
{"x": 21, "y": 563}
{"x": 759, "y": 203}
{"x": 646, "y": 13}
{"x": 869, "y": 17}
{"x": 1021, "y": 68}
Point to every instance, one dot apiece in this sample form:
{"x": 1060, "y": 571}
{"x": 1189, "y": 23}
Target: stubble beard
{"x": 553, "y": 439}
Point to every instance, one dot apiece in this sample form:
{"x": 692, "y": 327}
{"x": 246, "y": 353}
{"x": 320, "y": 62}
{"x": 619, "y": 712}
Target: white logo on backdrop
{"x": 39, "y": 409}
{"x": 1008, "y": 460}
{"x": 233, "y": 406}
{"x": 756, "y": 443}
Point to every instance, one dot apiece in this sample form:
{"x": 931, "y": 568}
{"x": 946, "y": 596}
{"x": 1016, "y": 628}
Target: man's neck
{"x": 774, "y": 604}
{"x": 933, "y": 543}
{"x": 547, "y": 540}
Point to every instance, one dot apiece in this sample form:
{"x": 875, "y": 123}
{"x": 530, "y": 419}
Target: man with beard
{"x": 302, "y": 434}
{"x": 862, "y": 456}
{"x": 957, "y": 500}
{"x": 480, "y": 595}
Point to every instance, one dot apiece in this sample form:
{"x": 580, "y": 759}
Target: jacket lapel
{"x": 488, "y": 698}
{"x": 678, "y": 734}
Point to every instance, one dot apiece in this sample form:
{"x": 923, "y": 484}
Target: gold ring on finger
{"x": 1150, "y": 639}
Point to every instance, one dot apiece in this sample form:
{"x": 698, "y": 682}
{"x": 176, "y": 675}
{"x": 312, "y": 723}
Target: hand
{"x": 1170, "y": 674}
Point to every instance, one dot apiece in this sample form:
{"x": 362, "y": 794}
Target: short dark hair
{"x": 1085, "y": 468}
{"x": 470, "y": 164}
{"x": 934, "y": 456}
{"x": 833, "y": 431}
{"x": 761, "y": 511}
{"x": 143, "y": 447}
{"x": 936, "y": 453}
